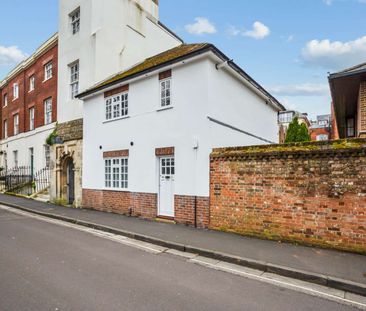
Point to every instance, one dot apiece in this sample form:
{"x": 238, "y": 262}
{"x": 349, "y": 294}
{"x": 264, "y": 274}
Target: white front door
{"x": 166, "y": 186}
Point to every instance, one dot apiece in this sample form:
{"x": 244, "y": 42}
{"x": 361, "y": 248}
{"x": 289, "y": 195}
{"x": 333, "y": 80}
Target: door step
{"x": 164, "y": 219}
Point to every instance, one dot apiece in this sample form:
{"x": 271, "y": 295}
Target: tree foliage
{"x": 297, "y": 132}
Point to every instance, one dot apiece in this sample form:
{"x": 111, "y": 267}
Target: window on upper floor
{"x": 5, "y": 128}
{"x": 116, "y": 106}
{"x": 116, "y": 173}
{"x": 75, "y": 21}
{"x": 285, "y": 117}
{"x": 16, "y": 124}
{"x": 74, "y": 79}
{"x": 165, "y": 92}
{"x": 32, "y": 83}
{"x": 48, "y": 111}
{"x": 48, "y": 68}
{"x": 31, "y": 119}
{"x": 5, "y": 100}
{"x": 15, "y": 91}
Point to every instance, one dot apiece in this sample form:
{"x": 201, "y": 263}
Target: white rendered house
{"x": 96, "y": 40}
{"x": 149, "y": 131}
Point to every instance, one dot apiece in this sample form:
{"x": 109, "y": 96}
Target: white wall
{"x": 112, "y": 38}
{"x": 197, "y": 92}
{"x": 35, "y": 139}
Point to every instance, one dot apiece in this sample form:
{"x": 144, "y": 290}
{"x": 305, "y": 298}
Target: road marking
{"x": 273, "y": 279}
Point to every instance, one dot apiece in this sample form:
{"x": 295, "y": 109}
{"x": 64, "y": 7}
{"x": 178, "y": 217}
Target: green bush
{"x": 297, "y": 132}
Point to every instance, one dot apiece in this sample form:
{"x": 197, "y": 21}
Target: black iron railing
{"x": 23, "y": 180}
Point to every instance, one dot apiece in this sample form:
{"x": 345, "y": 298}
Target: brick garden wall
{"x": 312, "y": 193}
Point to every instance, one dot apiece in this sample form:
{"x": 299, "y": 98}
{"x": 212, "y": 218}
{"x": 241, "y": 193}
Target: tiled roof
{"x": 149, "y": 63}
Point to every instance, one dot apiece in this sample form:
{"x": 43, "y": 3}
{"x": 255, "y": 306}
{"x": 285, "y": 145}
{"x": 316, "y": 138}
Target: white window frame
{"x": 32, "y": 83}
{"x": 16, "y": 124}
{"x": 31, "y": 118}
{"x": 48, "y": 71}
{"x": 75, "y": 21}
{"x": 116, "y": 173}
{"x": 163, "y": 93}
{"x": 5, "y": 100}
{"x": 74, "y": 71}
{"x": 116, "y": 106}
{"x": 47, "y": 155}
{"x": 48, "y": 111}
{"x": 5, "y": 128}
{"x": 15, "y": 155}
{"x": 15, "y": 91}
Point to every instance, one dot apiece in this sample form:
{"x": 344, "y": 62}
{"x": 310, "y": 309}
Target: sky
{"x": 288, "y": 46}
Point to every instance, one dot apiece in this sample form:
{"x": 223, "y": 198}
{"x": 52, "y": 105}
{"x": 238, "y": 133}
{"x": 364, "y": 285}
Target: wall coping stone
{"x": 335, "y": 148}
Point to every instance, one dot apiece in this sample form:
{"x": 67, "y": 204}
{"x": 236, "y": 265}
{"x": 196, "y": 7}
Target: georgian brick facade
{"x": 27, "y": 99}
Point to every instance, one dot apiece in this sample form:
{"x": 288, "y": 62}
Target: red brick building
{"x": 348, "y": 89}
{"x": 28, "y": 105}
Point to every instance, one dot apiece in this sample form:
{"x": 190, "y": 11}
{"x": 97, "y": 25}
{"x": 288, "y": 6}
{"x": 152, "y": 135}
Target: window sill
{"x": 46, "y": 80}
{"x": 165, "y": 108}
{"x": 30, "y": 91}
{"x": 116, "y": 119}
{"x": 14, "y": 99}
{"x": 116, "y": 189}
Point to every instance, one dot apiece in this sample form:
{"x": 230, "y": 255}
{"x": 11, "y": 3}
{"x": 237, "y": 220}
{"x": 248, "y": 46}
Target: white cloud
{"x": 305, "y": 89}
{"x": 201, "y": 26}
{"x": 10, "y": 55}
{"x": 334, "y": 55}
{"x": 259, "y": 31}
{"x": 328, "y": 2}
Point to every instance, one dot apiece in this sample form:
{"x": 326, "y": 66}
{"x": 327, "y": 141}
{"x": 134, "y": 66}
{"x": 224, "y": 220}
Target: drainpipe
{"x": 195, "y": 211}
{"x": 195, "y": 149}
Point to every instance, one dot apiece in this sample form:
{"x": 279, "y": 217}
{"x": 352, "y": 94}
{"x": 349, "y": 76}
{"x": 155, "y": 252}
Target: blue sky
{"x": 286, "y": 45}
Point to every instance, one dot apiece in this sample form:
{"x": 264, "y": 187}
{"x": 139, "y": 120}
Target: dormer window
{"x": 75, "y": 21}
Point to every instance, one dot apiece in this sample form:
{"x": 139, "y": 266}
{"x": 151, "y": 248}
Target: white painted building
{"x": 104, "y": 38}
{"x": 148, "y": 132}
{"x": 96, "y": 40}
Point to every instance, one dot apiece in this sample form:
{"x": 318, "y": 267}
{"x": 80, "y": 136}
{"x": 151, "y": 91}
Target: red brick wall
{"x": 121, "y": 202}
{"x": 312, "y": 193}
{"x": 185, "y": 211}
{"x": 145, "y": 205}
{"x": 362, "y": 110}
{"x": 43, "y": 90}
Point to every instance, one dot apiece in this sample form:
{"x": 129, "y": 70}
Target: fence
{"x": 23, "y": 180}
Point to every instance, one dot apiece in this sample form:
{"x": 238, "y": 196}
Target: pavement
{"x": 44, "y": 266}
{"x": 335, "y": 269}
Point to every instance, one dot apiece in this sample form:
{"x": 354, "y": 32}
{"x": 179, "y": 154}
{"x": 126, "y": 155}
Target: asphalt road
{"x": 44, "y": 266}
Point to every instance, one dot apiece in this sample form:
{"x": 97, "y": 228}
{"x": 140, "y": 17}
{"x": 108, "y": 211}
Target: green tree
{"x": 297, "y": 132}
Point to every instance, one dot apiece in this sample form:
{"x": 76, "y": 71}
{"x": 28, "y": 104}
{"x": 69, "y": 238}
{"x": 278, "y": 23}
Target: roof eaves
{"x": 101, "y": 87}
